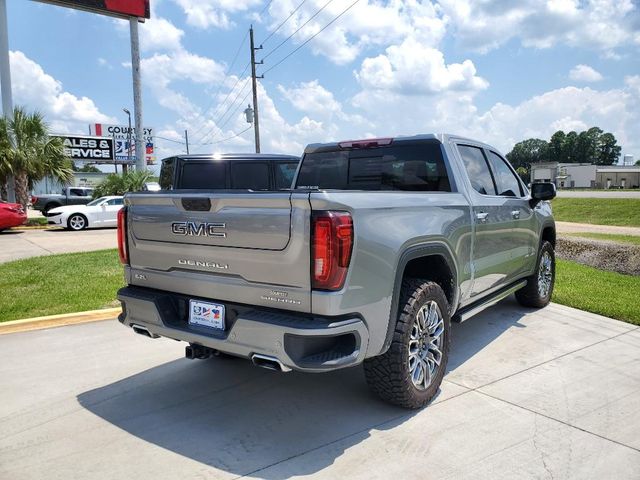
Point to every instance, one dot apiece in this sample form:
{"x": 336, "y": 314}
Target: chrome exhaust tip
{"x": 269, "y": 362}
{"x": 140, "y": 330}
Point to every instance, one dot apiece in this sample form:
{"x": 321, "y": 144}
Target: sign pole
{"x": 137, "y": 92}
{"x": 5, "y": 84}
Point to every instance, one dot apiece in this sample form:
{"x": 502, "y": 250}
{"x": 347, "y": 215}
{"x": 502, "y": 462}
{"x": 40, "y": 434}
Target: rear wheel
{"x": 411, "y": 371}
{"x": 537, "y": 293}
{"x": 77, "y": 222}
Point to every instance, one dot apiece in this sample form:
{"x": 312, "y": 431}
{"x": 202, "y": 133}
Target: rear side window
{"x": 477, "y": 169}
{"x": 78, "y": 192}
{"x": 408, "y": 167}
{"x": 284, "y": 174}
{"x": 203, "y": 175}
{"x": 250, "y": 175}
{"x": 506, "y": 181}
{"x": 166, "y": 174}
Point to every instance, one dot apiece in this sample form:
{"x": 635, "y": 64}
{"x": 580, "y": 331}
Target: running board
{"x": 473, "y": 309}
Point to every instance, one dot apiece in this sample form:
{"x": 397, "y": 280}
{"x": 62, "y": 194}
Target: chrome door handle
{"x": 482, "y": 216}
{"x": 515, "y": 214}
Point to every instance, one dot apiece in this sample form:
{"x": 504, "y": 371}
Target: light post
{"x": 124, "y": 169}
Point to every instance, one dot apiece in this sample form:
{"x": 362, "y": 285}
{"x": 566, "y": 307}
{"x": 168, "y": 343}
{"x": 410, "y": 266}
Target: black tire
{"x": 389, "y": 375}
{"x": 77, "y": 222}
{"x": 49, "y": 206}
{"x": 533, "y": 294}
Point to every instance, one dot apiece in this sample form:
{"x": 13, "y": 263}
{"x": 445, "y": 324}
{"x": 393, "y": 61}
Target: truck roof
{"x": 237, "y": 156}
{"x": 440, "y": 137}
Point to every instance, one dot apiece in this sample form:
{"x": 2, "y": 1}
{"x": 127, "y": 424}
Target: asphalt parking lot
{"x": 17, "y": 244}
{"x": 553, "y": 393}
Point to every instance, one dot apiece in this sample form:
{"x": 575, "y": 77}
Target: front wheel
{"x": 411, "y": 371}
{"x": 77, "y": 222}
{"x": 537, "y": 293}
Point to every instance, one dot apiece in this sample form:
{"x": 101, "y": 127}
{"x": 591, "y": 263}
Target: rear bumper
{"x": 300, "y": 342}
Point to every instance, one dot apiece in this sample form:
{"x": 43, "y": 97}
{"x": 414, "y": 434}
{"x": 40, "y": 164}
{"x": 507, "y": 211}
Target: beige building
{"x": 565, "y": 175}
{"x": 618, "y": 177}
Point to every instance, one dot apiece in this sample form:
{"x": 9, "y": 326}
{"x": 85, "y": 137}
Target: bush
{"x": 116, "y": 184}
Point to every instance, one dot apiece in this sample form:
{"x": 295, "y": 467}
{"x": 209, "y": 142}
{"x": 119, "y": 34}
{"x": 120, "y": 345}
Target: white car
{"x": 101, "y": 212}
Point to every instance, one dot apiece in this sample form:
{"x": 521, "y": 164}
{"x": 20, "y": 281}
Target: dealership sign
{"x": 88, "y": 149}
{"x": 120, "y": 134}
{"x": 113, "y": 8}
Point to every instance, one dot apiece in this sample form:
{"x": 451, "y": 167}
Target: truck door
{"x": 493, "y": 248}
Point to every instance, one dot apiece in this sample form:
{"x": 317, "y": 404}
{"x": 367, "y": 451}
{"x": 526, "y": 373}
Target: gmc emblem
{"x": 198, "y": 229}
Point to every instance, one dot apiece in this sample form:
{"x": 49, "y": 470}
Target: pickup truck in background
{"x": 377, "y": 248}
{"x": 68, "y": 196}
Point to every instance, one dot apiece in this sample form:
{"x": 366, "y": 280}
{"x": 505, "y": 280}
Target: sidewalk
{"x": 570, "y": 227}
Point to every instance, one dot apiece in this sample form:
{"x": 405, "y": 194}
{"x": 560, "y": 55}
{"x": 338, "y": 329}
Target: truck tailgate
{"x": 250, "y": 248}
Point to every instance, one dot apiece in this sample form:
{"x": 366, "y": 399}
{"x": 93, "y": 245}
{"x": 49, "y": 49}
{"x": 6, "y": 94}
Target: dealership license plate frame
{"x": 208, "y": 320}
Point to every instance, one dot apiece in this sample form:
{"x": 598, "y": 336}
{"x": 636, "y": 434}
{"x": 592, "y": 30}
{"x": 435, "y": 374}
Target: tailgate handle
{"x": 196, "y": 204}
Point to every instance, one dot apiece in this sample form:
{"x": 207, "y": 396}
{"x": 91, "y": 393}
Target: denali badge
{"x": 200, "y": 263}
{"x": 198, "y": 229}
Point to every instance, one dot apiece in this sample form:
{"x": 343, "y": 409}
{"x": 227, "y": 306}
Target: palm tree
{"x": 30, "y": 153}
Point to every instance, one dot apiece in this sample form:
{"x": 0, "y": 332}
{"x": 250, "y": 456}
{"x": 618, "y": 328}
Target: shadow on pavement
{"x": 227, "y": 414}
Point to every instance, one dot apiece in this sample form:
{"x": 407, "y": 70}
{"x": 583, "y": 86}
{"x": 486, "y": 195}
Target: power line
{"x": 221, "y": 104}
{"x": 265, "y": 7}
{"x": 299, "y": 28}
{"x": 169, "y": 139}
{"x": 283, "y": 22}
{"x": 231, "y": 105}
{"x": 228, "y": 138}
{"x": 312, "y": 37}
{"x": 226, "y": 73}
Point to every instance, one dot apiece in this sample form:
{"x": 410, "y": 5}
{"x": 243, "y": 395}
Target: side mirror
{"x": 542, "y": 191}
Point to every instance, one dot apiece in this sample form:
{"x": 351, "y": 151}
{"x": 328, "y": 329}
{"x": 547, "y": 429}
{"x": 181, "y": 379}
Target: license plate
{"x": 206, "y": 314}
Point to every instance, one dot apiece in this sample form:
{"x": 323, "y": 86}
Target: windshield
{"x": 97, "y": 201}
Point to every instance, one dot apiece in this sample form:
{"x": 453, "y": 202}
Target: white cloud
{"x": 412, "y": 68}
{"x": 603, "y": 25}
{"x": 213, "y": 13}
{"x": 311, "y": 98}
{"x": 584, "y": 73}
{"x": 160, "y": 34}
{"x": 37, "y": 90}
{"x": 367, "y": 24}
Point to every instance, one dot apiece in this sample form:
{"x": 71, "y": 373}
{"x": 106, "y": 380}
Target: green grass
{"x": 598, "y": 211}
{"x": 613, "y": 237}
{"x": 54, "y": 284}
{"x": 606, "y": 293}
{"x": 36, "y": 222}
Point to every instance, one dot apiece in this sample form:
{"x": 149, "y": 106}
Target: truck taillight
{"x": 123, "y": 248}
{"x": 331, "y": 244}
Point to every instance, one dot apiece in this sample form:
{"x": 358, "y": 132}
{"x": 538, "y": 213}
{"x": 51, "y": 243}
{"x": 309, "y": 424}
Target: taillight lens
{"x": 34, "y": 199}
{"x": 331, "y": 245}
{"x": 123, "y": 248}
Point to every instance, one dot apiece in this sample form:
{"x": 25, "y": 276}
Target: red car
{"x": 11, "y": 215}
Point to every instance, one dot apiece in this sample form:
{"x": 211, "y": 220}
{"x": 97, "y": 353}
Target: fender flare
{"x": 431, "y": 249}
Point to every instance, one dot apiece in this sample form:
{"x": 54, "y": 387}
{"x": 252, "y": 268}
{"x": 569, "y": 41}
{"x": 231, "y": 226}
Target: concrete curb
{"x": 53, "y": 321}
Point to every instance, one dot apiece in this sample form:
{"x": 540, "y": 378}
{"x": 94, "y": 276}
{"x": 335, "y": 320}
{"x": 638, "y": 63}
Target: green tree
{"x": 27, "y": 151}
{"x": 86, "y": 168}
{"x": 570, "y": 147}
{"x": 608, "y": 150}
{"x": 116, "y": 184}
{"x": 532, "y": 150}
{"x": 557, "y": 146}
{"x": 587, "y": 144}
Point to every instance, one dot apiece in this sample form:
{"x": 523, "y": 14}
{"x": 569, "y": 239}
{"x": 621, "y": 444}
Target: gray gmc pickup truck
{"x": 377, "y": 248}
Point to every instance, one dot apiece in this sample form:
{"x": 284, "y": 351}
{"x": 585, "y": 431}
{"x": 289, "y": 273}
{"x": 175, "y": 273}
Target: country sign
{"x": 120, "y": 135}
{"x": 88, "y": 148}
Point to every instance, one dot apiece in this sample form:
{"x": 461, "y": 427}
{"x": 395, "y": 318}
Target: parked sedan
{"x": 101, "y": 212}
{"x": 11, "y": 215}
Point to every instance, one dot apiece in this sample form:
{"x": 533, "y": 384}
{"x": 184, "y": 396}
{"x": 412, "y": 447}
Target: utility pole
{"x": 256, "y": 124}
{"x": 186, "y": 140}
{"x": 137, "y": 92}
{"x": 5, "y": 85}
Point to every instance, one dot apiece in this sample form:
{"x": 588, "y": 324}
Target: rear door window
{"x": 166, "y": 174}
{"x": 250, "y": 175}
{"x": 408, "y": 167}
{"x": 203, "y": 175}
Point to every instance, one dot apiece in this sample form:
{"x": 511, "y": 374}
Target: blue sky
{"x": 500, "y": 71}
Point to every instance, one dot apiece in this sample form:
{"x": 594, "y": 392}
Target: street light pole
{"x": 5, "y": 84}
{"x": 124, "y": 168}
